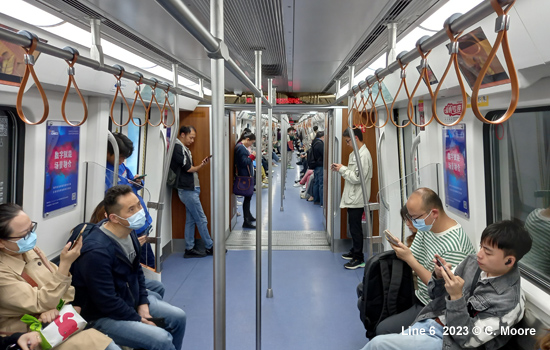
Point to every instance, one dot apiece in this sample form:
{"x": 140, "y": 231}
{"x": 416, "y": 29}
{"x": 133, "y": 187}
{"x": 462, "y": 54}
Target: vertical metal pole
{"x": 113, "y": 143}
{"x": 391, "y": 55}
{"x": 201, "y": 87}
{"x": 338, "y": 82}
{"x": 270, "y": 193}
{"x": 284, "y": 157}
{"x": 367, "y": 228}
{"x": 96, "y": 52}
{"x": 258, "y": 55}
{"x": 218, "y": 178}
{"x": 351, "y": 76}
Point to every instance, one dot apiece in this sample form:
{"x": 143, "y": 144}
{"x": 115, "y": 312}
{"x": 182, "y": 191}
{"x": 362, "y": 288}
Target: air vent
{"x": 272, "y": 70}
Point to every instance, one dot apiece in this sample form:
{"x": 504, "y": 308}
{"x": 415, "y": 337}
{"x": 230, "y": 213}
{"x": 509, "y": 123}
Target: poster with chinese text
{"x": 456, "y": 169}
{"x": 61, "y": 170}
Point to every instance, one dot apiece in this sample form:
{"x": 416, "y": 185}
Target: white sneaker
{"x": 265, "y": 185}
{"x": 297, "y": 184}
{"x": 304, "y": 187}
{"x": 239, "y": 203}
{"x": 275, "y": 164}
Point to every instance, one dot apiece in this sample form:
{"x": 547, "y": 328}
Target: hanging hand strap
{"x": 423, "y": 76}
{"x": 165, "y": 108}
{"x": 402, "y": 84}
{"x": 119, "y": 90}
{"x": 29, "y": 69}
{"x": 137, "y": 92}
{"x": 71, "y": 72}
{"x": 383, "y": 100}
{"x": 502, "y": 25}
{"x": 154, "y": 98}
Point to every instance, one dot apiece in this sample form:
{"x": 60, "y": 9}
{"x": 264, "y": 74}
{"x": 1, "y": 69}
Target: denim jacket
{"x": 496, "y": 302}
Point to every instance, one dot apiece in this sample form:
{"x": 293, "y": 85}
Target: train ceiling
{"x": 307, "y": 44}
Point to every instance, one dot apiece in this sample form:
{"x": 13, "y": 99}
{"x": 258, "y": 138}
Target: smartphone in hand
{"x": 140, "y": 177}
{"x": 78, "y": 237}
{"x": 440, "y": 263}
{"x": 158, "y": 321}
{"x": 391, "y": 238}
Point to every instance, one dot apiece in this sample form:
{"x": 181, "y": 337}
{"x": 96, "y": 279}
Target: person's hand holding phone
{"x": 440, "y": 266}
{"x": 139, "y": 178}
{"x": 335, "y": 167}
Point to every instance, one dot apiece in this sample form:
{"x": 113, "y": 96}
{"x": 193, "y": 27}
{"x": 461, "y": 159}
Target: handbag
{"x": 243, "y": 185}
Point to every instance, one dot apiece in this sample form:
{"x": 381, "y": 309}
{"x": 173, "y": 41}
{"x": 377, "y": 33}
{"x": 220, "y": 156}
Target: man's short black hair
{"x": 315, "y": 128}
{"x": 8, "y": 211}
{"x": 111, "y": 198}
{"x": 125, "y": 145}
{"x": 186, "y": 129}
{"x": 357, "y": 132}
{"x": 509, "y": 236}
{"x": 319, "y": 134}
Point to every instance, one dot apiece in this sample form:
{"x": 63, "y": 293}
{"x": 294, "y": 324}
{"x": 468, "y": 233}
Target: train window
{"x": 519, "y": 182}
{"x": 12, "y": 140}
{"x": 134, "y": 135}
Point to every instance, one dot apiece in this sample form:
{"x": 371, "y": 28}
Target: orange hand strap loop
{"x": 372, "y": 115}
{"x": 423, "y": 76}
{"x": 453, "y": 60}
{"x": 138, "y": 95}
{"x": 403, "y": 83}
{"x": 29, "y": 69}
{"x": 71, "y": 72}
{"x": 355, "y": 106}
{"x": 167, "y": 102}
{"x": 502, "y": 25}
{"x": 119, "y": 90}
{"x": 384, "y": 101}
{"x": 154, "y": 98}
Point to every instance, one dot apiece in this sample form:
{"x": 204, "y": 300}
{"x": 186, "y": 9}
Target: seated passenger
{"x": 153, "y": 286}
{"x": 476, "y": 303}
{"x": 30, "y": 284}
{"x": 443, "y": 236}
{"x": 538, "y": 226}
{"x": 109, "y": 280}
{"x": 125, "y": 150}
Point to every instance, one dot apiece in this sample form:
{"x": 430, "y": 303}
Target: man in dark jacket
{"x": 476, "y": 306}
{"x": 318, "y": 155}
{"x": 110, "y": 285}
{"x": 189, "y": 191}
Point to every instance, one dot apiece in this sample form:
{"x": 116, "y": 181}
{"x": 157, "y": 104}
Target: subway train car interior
{"x": 292, "y": 174}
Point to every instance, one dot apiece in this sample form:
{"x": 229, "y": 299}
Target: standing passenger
{"x": 243, "y": 161}
{"x": 352, "y": 197}
{"x": 189, "y": 190}
{"x": 318, "y": 154}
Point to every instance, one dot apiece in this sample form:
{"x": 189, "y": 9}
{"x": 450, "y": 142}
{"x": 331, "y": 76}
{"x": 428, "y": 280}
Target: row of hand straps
{"x": 502, "y": 38}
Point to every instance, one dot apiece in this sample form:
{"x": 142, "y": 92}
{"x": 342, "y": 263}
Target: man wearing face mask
{"x": 437, "y": 234}
{"x": 110, "y": 285}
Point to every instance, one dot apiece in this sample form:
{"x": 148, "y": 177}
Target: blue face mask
{"x": 136, "y": 221}
{"x": 420, "y": 224}
{"x": 25, "y": 244}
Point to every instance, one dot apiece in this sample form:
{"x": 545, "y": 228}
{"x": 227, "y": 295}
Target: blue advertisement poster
{"x": 61, "y": 170}
{"x": 456, "y": 169}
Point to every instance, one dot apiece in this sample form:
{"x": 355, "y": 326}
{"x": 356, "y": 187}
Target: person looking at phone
{"x": 30, "y": 284}
{"x": 189, "y": 191}
{"x": 110, "y": 284}
{"x": 475, "y": 303}
{"x": 436, "y": 233}
{"x": 352, "y": 197}
{"x": 126, "y": 177}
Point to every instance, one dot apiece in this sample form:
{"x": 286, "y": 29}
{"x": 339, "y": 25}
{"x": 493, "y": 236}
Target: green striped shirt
{"x": 538, "y": 257}
{"x": 452, "y": 244}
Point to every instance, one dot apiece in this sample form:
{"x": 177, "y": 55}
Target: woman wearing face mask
{"x": 30, "y": 284}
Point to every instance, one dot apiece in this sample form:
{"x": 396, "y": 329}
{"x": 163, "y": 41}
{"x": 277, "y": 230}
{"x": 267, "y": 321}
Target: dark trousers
{"x": 396, "y": 323}
{"x": 246, "y": 209}
{"x": 354, "y": 224}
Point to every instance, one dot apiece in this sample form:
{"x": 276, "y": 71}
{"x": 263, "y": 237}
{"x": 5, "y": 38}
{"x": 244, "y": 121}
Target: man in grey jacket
{"x": 474, "y": 312}
{"x": 352, "y": 197}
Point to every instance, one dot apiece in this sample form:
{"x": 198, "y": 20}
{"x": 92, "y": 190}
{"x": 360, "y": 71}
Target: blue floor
{"x": 314, "y": 304}
{"x": 298, "y": 214}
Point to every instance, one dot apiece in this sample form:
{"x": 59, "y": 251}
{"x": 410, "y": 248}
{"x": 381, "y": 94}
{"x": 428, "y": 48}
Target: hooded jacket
{"x": 352, "y": 197}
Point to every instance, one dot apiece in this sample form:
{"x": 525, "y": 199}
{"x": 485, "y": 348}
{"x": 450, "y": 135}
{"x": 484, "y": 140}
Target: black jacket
{"x": 10, "y": 340}
{"x": 186, "y": 179}
{"x": 243, "y": 162}
{"x": 317, "y": 153}
{"x": 106, "y": 283}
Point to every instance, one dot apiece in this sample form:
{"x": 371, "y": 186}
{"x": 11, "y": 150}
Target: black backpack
{"x": 389, "y": 290}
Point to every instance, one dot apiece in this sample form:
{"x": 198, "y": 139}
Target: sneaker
{"x": 239, "y": 203}
{"x": 193, "y": 253}
{"x": 297, "y": 184}
{"x": 275, "y": 165}
{"x": 211, "y": 251}
{"x": 347, "y": 256}
{"x": 290, "y": 167}
{"x": 249, "y": 226}
{"x": 265, "y": 185}
{"x": 303, "y": 195}
{"x": 354, "y": 264}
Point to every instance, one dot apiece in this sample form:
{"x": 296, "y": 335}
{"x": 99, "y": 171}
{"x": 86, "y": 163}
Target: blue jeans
{"x": 318, "y": 185}
{"x": 410, "y": 338}
{"x": 139, "y": 335}
{"x": 155, "y": 287}
{"x": 112, "y": 346}
{"x": 275, "y": 157}
{"x": 194, "y": 216}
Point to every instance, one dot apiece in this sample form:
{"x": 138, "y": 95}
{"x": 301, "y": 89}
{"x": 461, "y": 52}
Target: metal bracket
{"x": 453, "y": 48}
{"x": 155, "y": 205}
{"x": 70, "y": 70}
{"x": 221, "y": 53}
{"x": 29, "y": 59}
{"x": 502, "y": 23}
{"x": 424, "y": 63}
{"x": 403, "y": 74}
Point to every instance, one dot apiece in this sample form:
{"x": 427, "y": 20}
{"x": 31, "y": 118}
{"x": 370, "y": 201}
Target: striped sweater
{"x": 452, "y": 244}
{"x": 538, "y": 258}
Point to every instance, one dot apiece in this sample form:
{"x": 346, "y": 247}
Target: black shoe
{"x": 211, "y": 251}
{"x": 193, "y": 253}
{"x": 251, "y": 219}
{"x": 347, "y": 256}
{"x": 354, "y": 264}
{"x": 249, "y": 225}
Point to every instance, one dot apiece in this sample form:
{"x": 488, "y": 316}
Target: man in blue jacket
{"x": 110, "y": 285}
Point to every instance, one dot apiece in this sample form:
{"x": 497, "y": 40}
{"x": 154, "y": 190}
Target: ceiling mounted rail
{"x": 215, "y": 48}
{"x": 460, "y": 24}
{"x": 51, "y": 50}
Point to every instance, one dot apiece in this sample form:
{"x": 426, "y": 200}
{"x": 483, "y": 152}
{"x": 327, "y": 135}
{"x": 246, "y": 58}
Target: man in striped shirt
{"x": 437, "y": 234}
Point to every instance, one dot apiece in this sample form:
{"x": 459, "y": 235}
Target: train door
{"x": 12, "y": 134}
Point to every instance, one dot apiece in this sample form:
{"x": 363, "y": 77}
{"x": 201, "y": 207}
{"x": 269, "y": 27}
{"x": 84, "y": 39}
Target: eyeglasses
{"x": 32, "y": 229}
{"x": 408, "y": 216}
